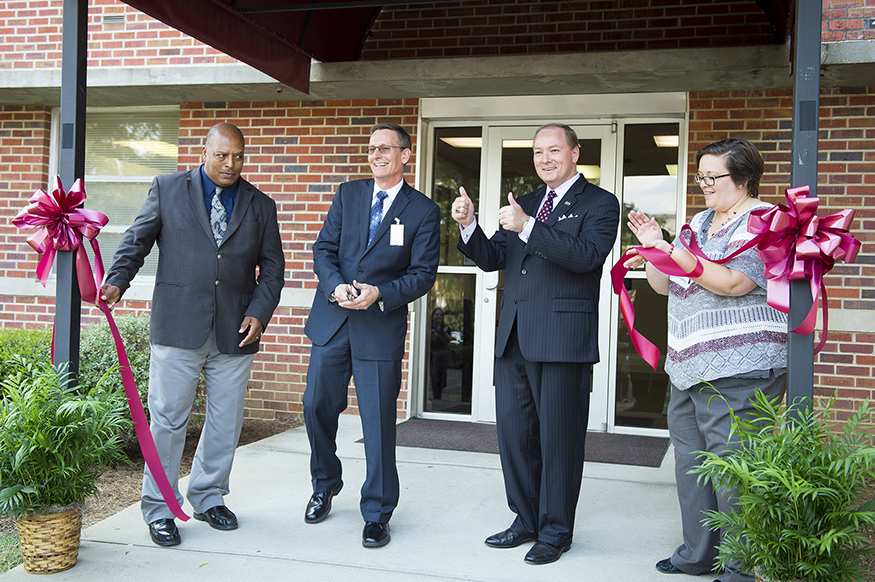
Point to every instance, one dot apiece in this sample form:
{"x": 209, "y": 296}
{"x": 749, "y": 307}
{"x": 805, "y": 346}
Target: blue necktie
{"x": 376, "y": 215}
{"x": 218, "y": 217}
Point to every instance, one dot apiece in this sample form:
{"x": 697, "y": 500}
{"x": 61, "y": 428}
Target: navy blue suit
{"x": 546, "y": 343}
{"x": 367, "y": 345}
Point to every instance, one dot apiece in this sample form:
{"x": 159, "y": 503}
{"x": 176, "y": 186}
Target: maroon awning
{"x": 277, "y": 37}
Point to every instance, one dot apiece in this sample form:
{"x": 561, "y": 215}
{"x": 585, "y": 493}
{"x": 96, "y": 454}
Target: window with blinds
{"x": 124, "y": 151}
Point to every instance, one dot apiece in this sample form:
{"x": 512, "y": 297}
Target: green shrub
{"x": 54, "y": 437}
{"x": 98, "y": 356}
{"x": 33, "y": 344}
{"x": 799, "y": 488}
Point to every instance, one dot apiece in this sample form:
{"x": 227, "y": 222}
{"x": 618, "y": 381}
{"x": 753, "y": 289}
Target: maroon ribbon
{"x": 61, "y": 225}
{"x": 792, "y": 242}
{"x": 795, "y": 244}
{"x": 662, "y": 261}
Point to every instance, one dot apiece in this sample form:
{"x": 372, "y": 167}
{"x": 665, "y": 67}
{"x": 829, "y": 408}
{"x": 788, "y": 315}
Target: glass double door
{"x": 464, "y": 306}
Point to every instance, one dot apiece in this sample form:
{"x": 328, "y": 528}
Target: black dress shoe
{"x": 544, "y": 553}
{"x": 666, "y": 567}
{"x": 320, "y": 504}
{"x": 164, "y": 533}
{"x": 375, "y": 535}
{"x": 508, "y": 539}
{"x": 219, "y": 517}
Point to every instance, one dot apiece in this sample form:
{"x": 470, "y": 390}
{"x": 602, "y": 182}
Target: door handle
{"x": 491, "y": 281}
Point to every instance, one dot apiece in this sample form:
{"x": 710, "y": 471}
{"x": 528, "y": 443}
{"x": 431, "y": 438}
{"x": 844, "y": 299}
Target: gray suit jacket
{"x": 551, "y": 287}
{"x": 402, "y": 272}
{"x": 199, "y": 284}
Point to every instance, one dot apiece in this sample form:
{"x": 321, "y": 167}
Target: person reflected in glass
{"x": 440, "y": 353}
{"x": 723, "y": 338}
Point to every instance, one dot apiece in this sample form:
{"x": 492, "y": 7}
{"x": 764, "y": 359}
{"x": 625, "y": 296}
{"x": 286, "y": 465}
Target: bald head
{"x": 226, "y": 129}
{"x": 223, "y": 154}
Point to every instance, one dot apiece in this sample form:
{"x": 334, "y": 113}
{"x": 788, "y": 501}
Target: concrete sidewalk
{"x": 627, "y": 520}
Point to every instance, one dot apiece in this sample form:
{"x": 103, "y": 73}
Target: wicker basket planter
{"x": 50, "y": 543}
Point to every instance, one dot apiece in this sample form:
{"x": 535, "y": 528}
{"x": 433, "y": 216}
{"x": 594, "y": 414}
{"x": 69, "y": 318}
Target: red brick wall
{"x": 24, "y": 158}
{"x": 296, "y": 152}
{"x": 844, "y": 20}
{"x": 30, "y": 30}
{"x": 30, "y": 38}
{"x": 462, "y": 29}
{"x": 846, "y": 171}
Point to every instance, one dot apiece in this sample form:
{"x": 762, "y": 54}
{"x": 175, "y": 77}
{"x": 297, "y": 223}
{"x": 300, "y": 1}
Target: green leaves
{"x": 53, "y": 437}
{"x": 796, "y": 479}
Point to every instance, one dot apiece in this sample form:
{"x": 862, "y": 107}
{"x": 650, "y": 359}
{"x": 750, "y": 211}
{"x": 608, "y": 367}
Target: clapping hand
{"x": 647, "y": 230}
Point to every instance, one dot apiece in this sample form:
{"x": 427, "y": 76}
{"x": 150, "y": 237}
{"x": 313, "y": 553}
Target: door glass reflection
{"x": 650, "y": 167}
{"x": 450, "y": 340}
{"x": 456, "y": 164}
{"x": 450, "y": 344}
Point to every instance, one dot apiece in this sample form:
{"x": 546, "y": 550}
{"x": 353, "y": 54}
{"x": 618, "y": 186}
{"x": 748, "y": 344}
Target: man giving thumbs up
{"x": 552, "y": 244}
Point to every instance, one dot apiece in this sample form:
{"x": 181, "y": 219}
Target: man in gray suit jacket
{"x": 376, "y": 252}
{"x": 552, "y": 244}
{"x": 220, "y": 274}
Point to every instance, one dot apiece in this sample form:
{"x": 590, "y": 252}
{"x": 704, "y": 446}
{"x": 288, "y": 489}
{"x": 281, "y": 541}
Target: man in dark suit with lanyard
{"x": 220, "y": 274}
{"x": 376, "y": 252}
{"x": 552, "y": 244}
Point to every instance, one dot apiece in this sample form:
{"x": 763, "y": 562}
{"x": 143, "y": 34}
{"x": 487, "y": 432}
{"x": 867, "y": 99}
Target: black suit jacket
{"x": 551, "y": 287}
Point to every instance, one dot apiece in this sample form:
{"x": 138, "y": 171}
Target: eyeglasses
{"x": 384, "y": 149}
{"x": 707, "y": 180}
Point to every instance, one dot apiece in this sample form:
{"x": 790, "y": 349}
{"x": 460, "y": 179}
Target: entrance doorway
{"x": 464, "y": 306}
{"x": 485, "y": 146}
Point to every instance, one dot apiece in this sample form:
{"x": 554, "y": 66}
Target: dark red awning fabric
{"x": 277, "y": 37}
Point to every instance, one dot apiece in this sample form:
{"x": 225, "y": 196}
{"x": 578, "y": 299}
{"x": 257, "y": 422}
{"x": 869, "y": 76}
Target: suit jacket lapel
{"x": 244, "y": 198}
{"x": 196, "y": 197}
{"x": 531, "y": 206}
{"x": 568, "y": 201}
{"x": 364, "y": 211}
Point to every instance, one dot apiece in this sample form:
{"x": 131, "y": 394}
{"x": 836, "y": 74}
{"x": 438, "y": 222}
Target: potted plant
{"x": 54, "y": 436}
{"x": 800, "y": 480}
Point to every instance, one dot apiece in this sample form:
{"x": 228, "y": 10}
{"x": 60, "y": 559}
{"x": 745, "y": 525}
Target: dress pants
{"x": 377, "y": 384}
{"x": 698, "y": 420}
{"x": 542, "y": 409}
{"x": 173, "y": 378}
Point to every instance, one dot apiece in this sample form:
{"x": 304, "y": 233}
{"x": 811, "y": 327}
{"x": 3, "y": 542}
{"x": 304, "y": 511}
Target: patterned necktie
{"x": 547, "y": 208}
{"x": 218, "y": 216}
{"x": 376, "y": 215}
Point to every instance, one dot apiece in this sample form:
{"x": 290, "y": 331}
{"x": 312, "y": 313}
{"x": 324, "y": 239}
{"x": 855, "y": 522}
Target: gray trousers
{"x": 698, "y": 422}
{"x": 173, "y": 378}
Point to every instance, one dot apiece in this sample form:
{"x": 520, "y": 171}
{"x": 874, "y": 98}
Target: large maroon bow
{"x": 62, "y": 225}
{"x": 796, "y": 244}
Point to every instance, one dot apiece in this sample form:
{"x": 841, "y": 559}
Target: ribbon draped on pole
{"x": 791, "y": 240}
{"x": 794, "y": 244}
{"x": 63, "y": 226}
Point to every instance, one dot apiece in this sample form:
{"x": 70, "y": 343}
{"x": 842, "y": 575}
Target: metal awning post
{"x": 803, "y": 171}
{"x": 72, "y": 166}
